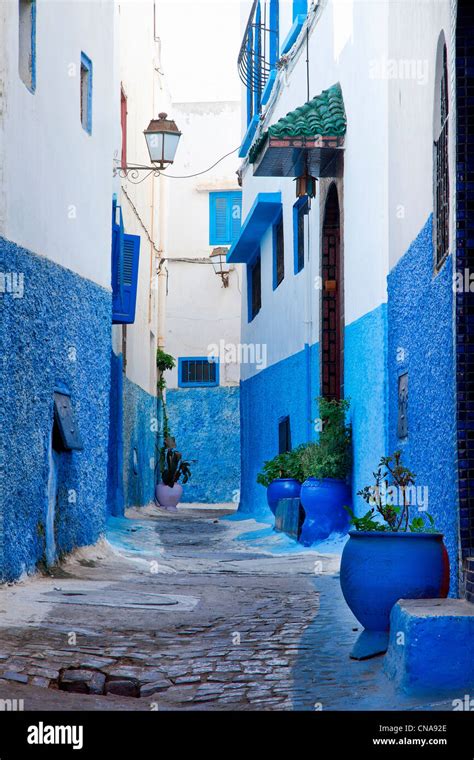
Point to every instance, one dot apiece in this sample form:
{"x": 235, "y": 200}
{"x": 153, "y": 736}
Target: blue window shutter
{"x": 235, "y": 215}
{"x": 129, "y": 281}
{"x": 125, "y": 261}
{"x": 225, "y": 217}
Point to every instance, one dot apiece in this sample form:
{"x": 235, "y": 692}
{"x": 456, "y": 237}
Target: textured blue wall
{"x": 206, "y": 425}
{"x": 277, "y": 391}
{"x": 59, "y": 317}
{"x": 139, "y": 433}
{"x": 420, "y": 318}
{"x": 366, "y": 385}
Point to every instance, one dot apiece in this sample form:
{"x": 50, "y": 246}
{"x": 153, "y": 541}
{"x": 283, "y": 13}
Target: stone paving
{"x": 182, "y": 614}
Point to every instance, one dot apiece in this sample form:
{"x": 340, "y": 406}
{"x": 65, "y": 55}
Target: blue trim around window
{"x": 300, "y": 8}
{"x": 293, "y": 34}
{"x": 301, "y": 207}
{"x": 86, "y": 63}
{"x": 266, "y": 208}
{"x": 200, "y": 384}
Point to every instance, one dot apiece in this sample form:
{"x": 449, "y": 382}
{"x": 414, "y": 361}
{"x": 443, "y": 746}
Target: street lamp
{"x": 162, "y": 138}
{"x": 221, "y": 267}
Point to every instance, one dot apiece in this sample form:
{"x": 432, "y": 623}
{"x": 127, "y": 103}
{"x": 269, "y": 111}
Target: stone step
{"x": 431, "y": 646}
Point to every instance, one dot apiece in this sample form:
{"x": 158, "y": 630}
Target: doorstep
{"x": 431, "y": 645}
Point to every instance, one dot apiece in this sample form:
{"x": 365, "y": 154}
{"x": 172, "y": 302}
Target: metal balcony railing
{"x": 259, "y": 50}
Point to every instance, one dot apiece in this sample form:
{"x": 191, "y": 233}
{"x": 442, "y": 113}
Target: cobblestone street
{"x": 190, "y": 612}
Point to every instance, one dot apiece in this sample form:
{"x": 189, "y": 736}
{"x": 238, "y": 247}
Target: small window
{"x": 27, "y": 43}
{"x": 254, "y": 282}
{"x": 300, "y": 209}
{"x": 198, "y": 371}
{"x": 402, "y": 425}
{"x": 278, "y": 253}
{"x": 225, "y": 212}
{"x": 441, "y": 165}
{"x": 284, "y": 435}
{"x": 86, "y": 93}
{"x": 123, "y": 121}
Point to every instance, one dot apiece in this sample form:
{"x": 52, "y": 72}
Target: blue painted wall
{"x": 59, "y": 315}
{"x": 139, "y": 434}
{"x": 275, "y": 392}
{"x": 206, "y": 425}
{"x": 366, "y": 385}
{"x": 420, "y": 318}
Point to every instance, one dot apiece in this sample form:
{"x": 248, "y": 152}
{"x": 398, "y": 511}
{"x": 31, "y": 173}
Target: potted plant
{"x": 392, "y": 554}
{"x": 173, "y": 468}
{"x": 282, "y": 477}
{"x": 326, "y": 465}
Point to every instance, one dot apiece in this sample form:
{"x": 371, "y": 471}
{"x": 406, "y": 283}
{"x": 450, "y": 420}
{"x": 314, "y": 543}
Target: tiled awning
{"x": 309, "y": 139}
{"x": 264, "y": 212}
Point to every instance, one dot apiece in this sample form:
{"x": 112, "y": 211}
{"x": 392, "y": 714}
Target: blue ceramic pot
{"x": 282, "y": 488}
{"x": 323, "y": 502}
{"x": 378, "y": 569}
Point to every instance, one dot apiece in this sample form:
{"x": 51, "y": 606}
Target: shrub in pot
{"x": 282, "y": 477}
{"x": 326, "y": 465}
{"x": 173, "y": 468}
{"x": 390, "y": 554}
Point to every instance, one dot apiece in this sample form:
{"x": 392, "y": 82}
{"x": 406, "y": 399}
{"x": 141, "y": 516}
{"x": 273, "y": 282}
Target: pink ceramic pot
{"x": 167, "y": 497}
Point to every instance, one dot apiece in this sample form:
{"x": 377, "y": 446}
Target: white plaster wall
{"x": 147, "y": 95}
{"x": 345, "y": 38}
{"x": 414, "y": 30}
{"x": 57, "y": 178}
{"x": 199, "y": 311}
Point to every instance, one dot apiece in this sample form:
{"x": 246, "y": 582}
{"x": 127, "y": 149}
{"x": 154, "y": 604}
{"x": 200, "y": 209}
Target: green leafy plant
{"x": 286, "y": 465}
{"x": 330, "y": 456}
{"x": 390, "y": 497}
{"x": 173, "y": 467}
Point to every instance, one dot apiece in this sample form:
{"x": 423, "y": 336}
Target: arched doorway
{"x": 332, "y": 302}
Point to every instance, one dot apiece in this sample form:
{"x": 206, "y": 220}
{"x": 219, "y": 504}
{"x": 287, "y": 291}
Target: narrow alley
{"x": 188, "y": 611}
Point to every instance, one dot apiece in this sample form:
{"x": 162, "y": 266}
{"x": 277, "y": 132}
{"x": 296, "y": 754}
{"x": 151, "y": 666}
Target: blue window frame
{"x": 278, "y": 253}
{"x": 125, "y": 263}
{"x": 254, "y": 287}
{"x": 300, "y": 209}
{"x": 86, "y": 93}
{"x": 27, "y": 43}
{"x": 198, "y": 371}
{"x": 225, "y": 217}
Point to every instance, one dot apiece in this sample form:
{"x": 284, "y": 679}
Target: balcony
{"x": 258, "y": 55}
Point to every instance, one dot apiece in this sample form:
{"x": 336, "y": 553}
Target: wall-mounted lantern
{"x": 219, "y": 262}
{"x": 162, "y": 137}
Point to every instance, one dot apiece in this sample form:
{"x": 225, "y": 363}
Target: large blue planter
{"x": 378, "y": 569}
{"x": 323, "y": 502}
{"x": 282, "y": 488}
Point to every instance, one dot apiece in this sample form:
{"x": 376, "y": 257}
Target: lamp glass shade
{"x": 162, "y": 138}
{"x": 219, "y": 260}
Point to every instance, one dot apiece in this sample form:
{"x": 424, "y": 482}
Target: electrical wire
{"x": 204, "y": 171}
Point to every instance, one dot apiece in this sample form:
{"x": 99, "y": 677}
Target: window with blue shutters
{"x": 225, "y": 214}
{"x": 195, "y": 371}
{"x": 125, "y": 261}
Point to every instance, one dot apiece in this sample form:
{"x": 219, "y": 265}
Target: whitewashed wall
{"x": 56, "y": 192}
{"x": 146, "y": 91}
{"x": 199, "y": 311}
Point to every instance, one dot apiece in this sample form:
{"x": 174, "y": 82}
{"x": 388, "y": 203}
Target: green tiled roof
{"x": 323, "y": 115}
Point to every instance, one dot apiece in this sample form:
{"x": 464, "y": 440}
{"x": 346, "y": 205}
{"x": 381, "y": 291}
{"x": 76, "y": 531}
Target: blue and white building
{"x": 351, "y": 292}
